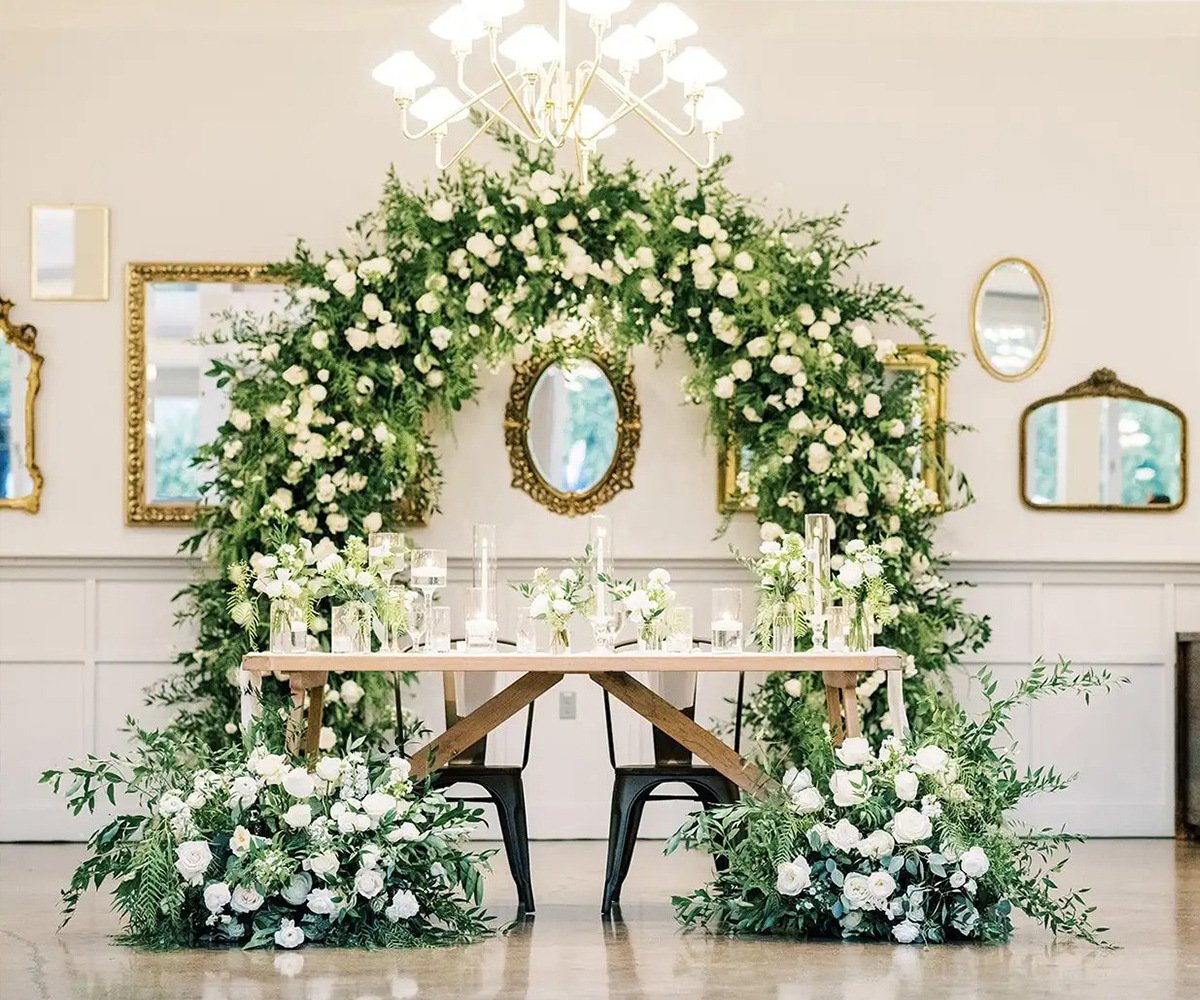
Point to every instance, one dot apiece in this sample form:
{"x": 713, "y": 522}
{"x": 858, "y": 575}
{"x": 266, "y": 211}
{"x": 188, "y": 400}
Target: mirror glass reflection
{"x": 184, "y": 407}
{"x": 15, "y": 480}
{"x": 1104, "y": 451}
{"x": 70, "y": 252}
{"x": 1012, "y": 319}
{"x": 573, "y": 426}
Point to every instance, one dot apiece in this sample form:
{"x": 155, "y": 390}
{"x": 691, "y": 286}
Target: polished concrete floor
{"x": 1148, "y": 893}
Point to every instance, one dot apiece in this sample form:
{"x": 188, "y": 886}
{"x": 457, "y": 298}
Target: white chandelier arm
{"x": 699, "y": 164}
{"x": 581, "y": 91}
{"x": 493, "y": 117}
{"x": 480, "y": 98}
{"x": 636, "y": 103}
{"x": 441, "y": 125}
{"x": 514, "y": 98}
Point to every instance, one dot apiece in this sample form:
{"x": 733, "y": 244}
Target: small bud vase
{"x": 783, "y": 631}
{"x": 289, "y": 627}
{"x": 862, "y": 631}
{"x": 350, "y": 628}
{"x": 651, "y": 636}
{"x": 560, "y": 641}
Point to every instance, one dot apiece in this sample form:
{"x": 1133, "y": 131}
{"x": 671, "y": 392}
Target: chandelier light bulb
{"x": 404, "y": 73}
{"x": 460, "y": 26}
{"x": 715, "y": 108}
{"x": 598, "y": 8}
{"x": 439, "y": 107}
{"x": 531, "y": 48}
{"x": 695, "y": 68}
{"x": 667, "y": 24}
{"x": 628, "y": 46}
{"x": 492, "y": 12}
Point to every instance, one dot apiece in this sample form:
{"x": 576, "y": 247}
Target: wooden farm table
{"x": 308, "y": 672}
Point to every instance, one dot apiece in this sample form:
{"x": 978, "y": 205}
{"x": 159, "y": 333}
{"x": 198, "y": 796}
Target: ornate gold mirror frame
{"x": 139, "y": 509}
{"x": 1104, "y": 383}
{"x": 525, "y": 473}
{"x": 24, "y": 339}
{"x": 908, "y": 358}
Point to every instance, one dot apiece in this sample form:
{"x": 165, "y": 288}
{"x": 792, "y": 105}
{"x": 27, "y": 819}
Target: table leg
{"x": 833, "y": 706}
{"x": 661, "y": 713}
{"x": 841, "y": 701}
{"x": 304, "y": 733}
{"x": 471, "y": 729}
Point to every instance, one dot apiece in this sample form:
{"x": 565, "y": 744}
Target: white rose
{"x": 368, "y": 883}
{"x": 192, "y": 859}
{"x": 759, "y": 347}
{"x": 723, "y": 388}
{"x": 357, "y": 339}
{"x": 910, "y": 826}
{"x": 334, "y": 268}
{"x": 299, "y": 816}
{"x": 441, "y": 211}
{"x": 329, "y": 768}
{"x": 897, "y": 429}
{"x": 807, "y": 800}
{"x": 297, "y": 890}
{"x": 216, "y": 896}
{"x": 818, "y": 457}
{"x": 346, "y": 283}
{"x": 351, "y": 692}
{"x": 240, "y": 841}
{"x": 295, "y": 375}
{"x": 240, "y": 419}
{"x": 317, "y": 393}
{"x": 835, "y": 434}
{"x": 322, "y": 902}
{"x": 854, "y": 751}
{"x": 857, "y": 891}
{"x": 481, "y": 245}
{"x": 793, "y": 688}
{"x": 848, "y": 787}
{"x": 434, "y": 378}
{"x": 819, "y": 330}
{"x": 884, "y": 349}
{"x": 906, "y": 932}
{"x": 881, "y": 886}
{"x": 404, "y": 905}
{"x": 378, "y": 804}
{"x": 169, "y": 803}
{"x": 906, "y": 786}
{"x": 743, "y": 261}
{"x": 328, "y": 739}
{"x": 728, "y": 286}
{"x": 931, "y": 760}
{"x": 793, "y": 877}
{"x": 871, "y": 405}
{"x": 409, "y": 832}
{"x": 243, "y": 791}
{"x": 861, "y": 336}
{"x": 337, "y": 523}
{"x": 844, "y": 836}
{"x": 245, "y": 899}
{"x": 850, "y": 575}
{"x": 299, "y": 783}
{"x": 796, "y": 781}
{"x": 799, "y": 423}
{"x": 372, "y": 306}
{"x": 324, "y": 864}
{"x": 289, "y": 935}
{"x": 877, "y": 845}
{"x": 974, "y": 862}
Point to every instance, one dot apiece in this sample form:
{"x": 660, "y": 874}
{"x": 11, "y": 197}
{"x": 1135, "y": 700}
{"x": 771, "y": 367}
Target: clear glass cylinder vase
{"x": 560, "y": 640}
{"x": 289, "y": 627}
{"x": 651, "y": 636}
{"x": 350, "y": 628}
{"x": 861, "y": 637}
{"x": 783, "y": 631}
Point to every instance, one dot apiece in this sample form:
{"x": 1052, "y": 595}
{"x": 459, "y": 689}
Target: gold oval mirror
{"x": 572, "y": 428}
{"x": 1011, "y": 319}
{"x": 20, "y": 377}
{"x": 1103, "y": 445}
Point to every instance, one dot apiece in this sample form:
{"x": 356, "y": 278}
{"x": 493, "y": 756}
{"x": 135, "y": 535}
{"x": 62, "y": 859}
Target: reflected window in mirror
{"x": 20, "y": 378}
{"x": 69, "y": 252}
{"x": 572, "y": 428}
{"x": 1104, "y": 445}
{"x": 175, "y": 406}
{"x": 1011, "y": 319}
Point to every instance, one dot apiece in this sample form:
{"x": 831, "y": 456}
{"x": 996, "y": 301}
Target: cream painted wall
{"x": 957, "y": 132}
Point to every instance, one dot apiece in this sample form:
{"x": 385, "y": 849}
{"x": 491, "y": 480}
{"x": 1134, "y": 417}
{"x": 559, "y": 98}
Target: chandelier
{"x": 534, "y": 90}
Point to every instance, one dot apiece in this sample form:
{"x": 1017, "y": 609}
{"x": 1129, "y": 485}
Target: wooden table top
{"x": 576, "y": 663}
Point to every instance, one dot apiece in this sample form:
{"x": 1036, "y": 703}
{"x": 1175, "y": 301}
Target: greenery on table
{"x": 914, "y": 842}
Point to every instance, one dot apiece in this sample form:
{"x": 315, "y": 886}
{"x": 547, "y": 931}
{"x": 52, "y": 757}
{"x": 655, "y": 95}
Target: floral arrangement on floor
{"x": 649, "y": 603}
{"x": 910, "y": 842}
{"x": 336, "y": 403}
{"x": 556, "y": 601}
{"x": 252, "y": 848}
{"x": 782, "y": 571}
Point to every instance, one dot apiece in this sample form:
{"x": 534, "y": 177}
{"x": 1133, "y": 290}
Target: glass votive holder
{"x": 526, "y": 631}
{"x": 350, "y": 628}
{"x": 482, "y": 627}
{"x": 838, "y": 627}
{"x": 439, "y": 630}
{"x": 726, "y": 620}
{"x": 680, "y": 630}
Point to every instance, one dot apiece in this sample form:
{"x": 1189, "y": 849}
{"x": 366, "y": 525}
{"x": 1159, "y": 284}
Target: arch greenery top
{"x": 335, "y": 409}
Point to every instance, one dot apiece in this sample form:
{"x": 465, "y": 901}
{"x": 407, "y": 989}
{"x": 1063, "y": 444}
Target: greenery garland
{"x": 335, "y": 406}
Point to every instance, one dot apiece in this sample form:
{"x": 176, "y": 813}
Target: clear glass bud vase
{"x": 862, "y": 630}
{"x": 783, "y": 631}
{"x": 289, "y": 627}
{"x": 350, "y": 628}
{"x": 560, "y": 640}
{"x": 651, "y": 636}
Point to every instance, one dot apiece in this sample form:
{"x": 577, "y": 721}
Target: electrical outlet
{"x": 566, "y": 704}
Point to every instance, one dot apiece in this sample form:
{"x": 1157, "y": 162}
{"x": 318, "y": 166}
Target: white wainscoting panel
{"x": 81, "y": 639}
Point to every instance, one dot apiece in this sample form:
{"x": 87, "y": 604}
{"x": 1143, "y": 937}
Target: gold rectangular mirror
{"x": 930, "y": 465}
{"x": 171, "y": 404}
{"x": 20, "y": 377}
{"x": 69, "y": 252}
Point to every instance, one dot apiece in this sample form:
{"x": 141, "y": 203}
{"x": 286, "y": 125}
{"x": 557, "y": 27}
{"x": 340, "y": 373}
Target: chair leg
{"x": 628, "y": 802}
{"x": 508, "y": 793}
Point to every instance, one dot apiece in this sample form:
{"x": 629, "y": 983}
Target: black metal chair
{"x": 502, "y": 784}
{"x": 634, "y": 785}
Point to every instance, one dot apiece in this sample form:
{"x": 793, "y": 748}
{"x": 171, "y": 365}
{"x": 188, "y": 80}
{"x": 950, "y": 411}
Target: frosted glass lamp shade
{"x": 492, "y": 12}
{"x": 598, "y": 8}
{"x": 589, "y": 123}
{"x": 459, "y": 25}
{"x": 531, "y": 48}
{"x": 695, "y": 68}
{"x": 404, "y": 73}
{"x": 715, "y": 108}
{"x": 439, "y": 105}
{"x": 628, "y": 46}
{"x": 666, "y": 24}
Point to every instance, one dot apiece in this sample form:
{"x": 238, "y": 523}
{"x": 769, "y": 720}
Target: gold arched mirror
{"x": 20, "y": 377}
{"x": 1103, "y": 445}
{"x": 572, "y": 428}
{"x": 1011, "y": 319}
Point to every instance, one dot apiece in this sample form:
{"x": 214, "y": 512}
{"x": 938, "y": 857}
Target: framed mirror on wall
{"x": 572, "y": 429}
{"x": 172, "y": 405}
{"x": 1012, "y": 319}
{"x": 20, "y": 378}
{"x": 69, "y": 252}
{"x": 1103, "y": 445}
{"x": 911, "y": 361}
